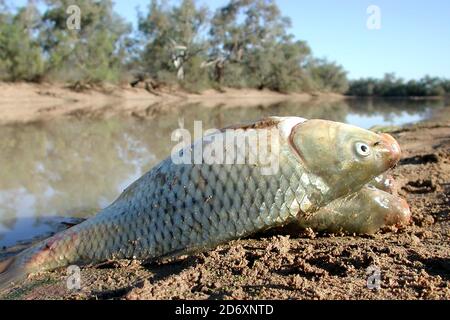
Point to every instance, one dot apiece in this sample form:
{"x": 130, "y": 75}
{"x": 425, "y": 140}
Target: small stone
{"x": 309, "y": 233}
{"x": 429, "y": 220}
{"x": 415, "y": 240}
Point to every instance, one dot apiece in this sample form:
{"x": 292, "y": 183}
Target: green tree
{"x": 327, "y": 76}
{"x": 20, "y": 53}
{"x": 95, "y": 52}
{"x": 171, "y": 37}
{"x": 391, "y": 86}
{"x": 278, "y": 66}
{"x": 251, "y": 37}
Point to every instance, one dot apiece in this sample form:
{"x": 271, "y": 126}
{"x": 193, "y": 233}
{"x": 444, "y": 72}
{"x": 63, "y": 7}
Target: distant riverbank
{"x": 27, "y": 102}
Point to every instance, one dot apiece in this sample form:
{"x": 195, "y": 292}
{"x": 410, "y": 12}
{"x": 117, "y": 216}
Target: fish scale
{"x": 224, "y": 203}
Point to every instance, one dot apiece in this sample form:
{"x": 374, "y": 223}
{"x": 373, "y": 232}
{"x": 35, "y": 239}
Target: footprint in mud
{"x": 420, "y": 186}
{"x": 420, "y": 159}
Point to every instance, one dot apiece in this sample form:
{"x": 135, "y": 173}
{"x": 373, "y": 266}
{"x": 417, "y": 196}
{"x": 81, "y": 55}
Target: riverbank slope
{"x": 27, "y": 102}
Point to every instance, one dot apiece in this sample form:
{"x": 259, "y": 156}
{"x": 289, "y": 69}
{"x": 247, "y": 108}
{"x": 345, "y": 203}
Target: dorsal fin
{"x": 258, "y": 124}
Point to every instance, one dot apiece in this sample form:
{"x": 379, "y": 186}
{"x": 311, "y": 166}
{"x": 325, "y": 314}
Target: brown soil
{"x": 27, "y": 102}
{"x": 414, "y": 262}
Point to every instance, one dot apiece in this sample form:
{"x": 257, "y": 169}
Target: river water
{"x": 73, "y": 167}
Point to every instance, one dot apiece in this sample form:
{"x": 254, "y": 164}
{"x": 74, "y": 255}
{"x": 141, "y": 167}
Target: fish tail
{"x": 51, "y": 253}
{"x": 15, "y": 269}
{"x": 11, "y": 272}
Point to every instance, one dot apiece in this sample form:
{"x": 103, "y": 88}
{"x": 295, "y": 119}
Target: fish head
{"x": 345, "y": 157}
{"x": 364, "y": 212}
{"x": 379, "y": 209}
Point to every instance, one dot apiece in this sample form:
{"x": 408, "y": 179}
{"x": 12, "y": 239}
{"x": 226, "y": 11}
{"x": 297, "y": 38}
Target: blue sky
{"x": 414, "y": 38}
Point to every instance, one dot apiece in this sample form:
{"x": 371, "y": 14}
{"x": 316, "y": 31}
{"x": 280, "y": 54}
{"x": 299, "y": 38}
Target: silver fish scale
{"x": 176, "y": 209}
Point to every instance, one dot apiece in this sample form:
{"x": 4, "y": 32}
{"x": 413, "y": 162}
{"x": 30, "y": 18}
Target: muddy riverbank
{"x": 27, "y": 102}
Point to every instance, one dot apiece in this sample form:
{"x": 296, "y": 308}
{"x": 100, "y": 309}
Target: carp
{"x": 180, "y": 207}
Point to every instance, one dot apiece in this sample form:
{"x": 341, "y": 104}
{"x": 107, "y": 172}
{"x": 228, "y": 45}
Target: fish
{"x": 363, "y": 212}
{"x": 384, "y": 182}
{"x": 182, "y": 207}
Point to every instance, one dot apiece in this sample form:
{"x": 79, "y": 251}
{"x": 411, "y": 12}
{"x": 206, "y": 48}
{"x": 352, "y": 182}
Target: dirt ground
{"x": 414, "y": 263}
{"x": 27, "y": 102}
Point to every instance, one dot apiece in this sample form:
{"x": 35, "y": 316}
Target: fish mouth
{"x": 391, "y": 148}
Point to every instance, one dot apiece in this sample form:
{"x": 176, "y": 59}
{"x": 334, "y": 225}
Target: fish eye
{"x": 362, "y": 149}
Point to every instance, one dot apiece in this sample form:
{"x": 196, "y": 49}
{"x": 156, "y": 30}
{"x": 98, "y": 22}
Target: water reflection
{"x": 73, "y": 167}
